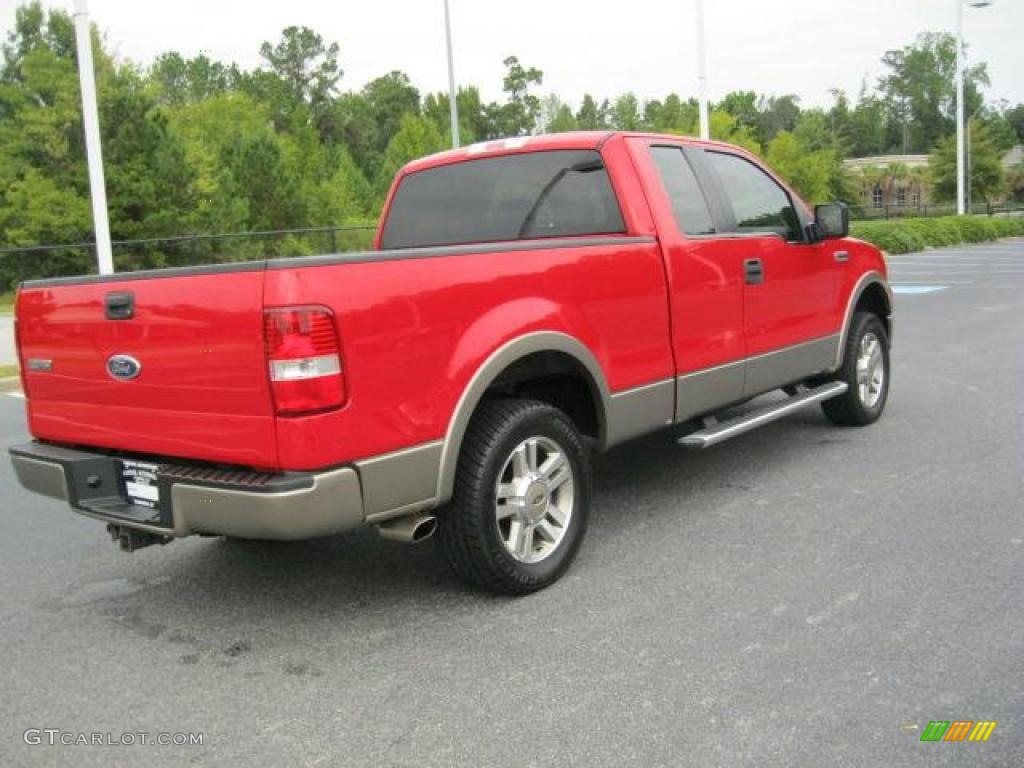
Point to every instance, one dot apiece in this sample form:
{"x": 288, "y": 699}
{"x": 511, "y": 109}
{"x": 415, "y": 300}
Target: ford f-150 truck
{"x": 527, "y": 303}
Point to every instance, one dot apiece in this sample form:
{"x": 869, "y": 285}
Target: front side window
{"x": 524, "y": 196}
{"x": 688, "y": 203}
{"x": 758, "y": 202}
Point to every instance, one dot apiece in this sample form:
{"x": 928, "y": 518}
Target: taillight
{"x": 304, "y": 360}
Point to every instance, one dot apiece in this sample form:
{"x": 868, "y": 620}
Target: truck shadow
{"x": 230, "y": 603}
{"x": 343, "y": 576}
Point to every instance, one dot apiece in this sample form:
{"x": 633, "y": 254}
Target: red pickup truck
{"x": 528, "y": 301}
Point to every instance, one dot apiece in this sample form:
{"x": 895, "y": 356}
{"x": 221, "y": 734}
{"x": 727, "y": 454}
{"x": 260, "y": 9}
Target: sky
{"x": 806, "y": 47}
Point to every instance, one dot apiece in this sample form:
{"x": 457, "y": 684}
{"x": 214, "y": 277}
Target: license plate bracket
{"x": 139, "y": 482}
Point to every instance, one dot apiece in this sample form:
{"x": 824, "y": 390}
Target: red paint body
{"x": 413, "y": 332}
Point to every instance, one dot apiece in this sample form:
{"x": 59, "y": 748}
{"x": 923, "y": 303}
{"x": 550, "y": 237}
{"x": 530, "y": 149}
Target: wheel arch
{"x": 872, "y": 294}
{"x": 532, "y": 346}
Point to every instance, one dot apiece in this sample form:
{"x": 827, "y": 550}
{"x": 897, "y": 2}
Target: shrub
{"x": 906, "y": 235}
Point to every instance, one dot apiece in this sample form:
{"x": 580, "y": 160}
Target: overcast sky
{"x": 805, "y": 47}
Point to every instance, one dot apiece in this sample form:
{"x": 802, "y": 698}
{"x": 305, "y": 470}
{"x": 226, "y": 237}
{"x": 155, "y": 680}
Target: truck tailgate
{"x": 201, "y": 390}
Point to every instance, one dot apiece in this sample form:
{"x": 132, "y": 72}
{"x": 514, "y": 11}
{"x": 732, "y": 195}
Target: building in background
{"x": 903, "y": 181}
{"x": 899, "y": 181}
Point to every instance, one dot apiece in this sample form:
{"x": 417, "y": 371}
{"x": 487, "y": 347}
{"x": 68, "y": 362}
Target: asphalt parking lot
{"x": 802, "y": 595}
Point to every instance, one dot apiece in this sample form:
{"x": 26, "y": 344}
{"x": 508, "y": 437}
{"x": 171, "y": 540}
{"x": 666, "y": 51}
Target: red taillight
{"x": 303, "y": 360}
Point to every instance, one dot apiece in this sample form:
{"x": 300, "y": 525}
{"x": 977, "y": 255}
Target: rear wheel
{"x": 522, "y": 496}
{"x": 865, "y": 369}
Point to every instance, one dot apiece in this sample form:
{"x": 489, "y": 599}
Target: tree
{"x": 591, "y": 116}
{"x": 999, "y": 126}
{"x": 742, "y": 105}
{"x": 725, "y": 127}
{"x": 987, "y": 179}
{"x": 776, "y": 113}
{"x": 418, "y": 136}
{"x": 182, "y": 81}
{"x": 307, "y": 66}
{"x": 475, "y": 123}
{"x": 676, "y": 116}
{"x": 809, "y": 172}
{"x": 390, "y": 98}
{"x": 1015, "y": 116}
{"x": 626, "y": 113}
{"x": 919, "y": 93}
{"x": 518, "y": 115}
{"x": 555, "y": 116}
{"x": 868, "y": 126}
{"x": 563, "y": 121}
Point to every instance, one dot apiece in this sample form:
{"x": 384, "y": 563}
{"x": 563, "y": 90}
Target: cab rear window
{"x": 558, "y": 193}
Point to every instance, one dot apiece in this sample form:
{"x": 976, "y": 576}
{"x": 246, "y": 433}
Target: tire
{"x": 864, "y": 401}
{"x": 501, "y": 482}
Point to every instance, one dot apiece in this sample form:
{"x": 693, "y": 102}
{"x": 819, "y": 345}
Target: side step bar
{"x": 717, "y": 432}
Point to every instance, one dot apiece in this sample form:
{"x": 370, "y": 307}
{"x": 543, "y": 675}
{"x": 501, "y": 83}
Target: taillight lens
{"x": 304, "y": 360}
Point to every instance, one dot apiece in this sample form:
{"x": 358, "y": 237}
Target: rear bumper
{"x": 196, "y": 499}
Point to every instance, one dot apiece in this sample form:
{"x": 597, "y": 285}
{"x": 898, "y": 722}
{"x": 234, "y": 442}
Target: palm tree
{"x": 895, "y": 176}
{"x": 872, "y": 177}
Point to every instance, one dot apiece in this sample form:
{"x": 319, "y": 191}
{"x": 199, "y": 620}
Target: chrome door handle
{"x": 841, "y": 256}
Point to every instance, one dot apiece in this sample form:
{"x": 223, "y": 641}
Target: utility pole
{"x": 702, "y": 73}
{"x": 960, "y": 151}
{"x": 93, "y": 151}
{"x": 452, "y": 106}
{"x": 961, "y": 148}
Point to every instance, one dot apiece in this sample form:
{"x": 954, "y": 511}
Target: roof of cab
{"x": 543, "y": 142}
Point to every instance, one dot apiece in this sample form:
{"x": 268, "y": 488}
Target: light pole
{"x": 452, "y": 106}
{"x": 702, "y": 73}
{"x": 961, "y": 150}
{"x": 93, "y": 152}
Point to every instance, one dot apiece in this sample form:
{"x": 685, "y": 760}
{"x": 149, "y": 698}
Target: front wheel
{"x": 865, "y": 369}
{"x": 522, "y": 497}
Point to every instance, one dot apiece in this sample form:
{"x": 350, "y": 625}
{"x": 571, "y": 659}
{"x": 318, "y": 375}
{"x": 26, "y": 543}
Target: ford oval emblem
{"x": 124, "y": 367}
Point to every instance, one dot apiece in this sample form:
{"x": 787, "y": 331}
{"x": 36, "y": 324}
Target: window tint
{"x": 530, "y": 195}
{"x": 760, "y": 205}
{"x": 688, "y": 203}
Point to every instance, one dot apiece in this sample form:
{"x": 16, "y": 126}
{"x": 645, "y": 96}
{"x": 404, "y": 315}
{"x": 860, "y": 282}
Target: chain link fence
{"x": 39, "y": 261}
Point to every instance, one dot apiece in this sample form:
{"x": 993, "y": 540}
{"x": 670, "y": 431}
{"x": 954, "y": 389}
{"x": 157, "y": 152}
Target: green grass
{"x": 6, "y": 371}
{"x": 7, "y": 302}
{"x": 907, "y": 235}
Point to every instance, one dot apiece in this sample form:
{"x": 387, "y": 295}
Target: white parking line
{"x": 20, "y": 395}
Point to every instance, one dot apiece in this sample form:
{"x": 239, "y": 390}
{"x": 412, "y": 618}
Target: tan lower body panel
{"x": 41, "y": 477}
{"x": 400, "y": 483}
{"x": 785, "y": 366}
{"x": 639, "y": 411}
{"x": 333, "y": 504}
{"x": 704, "y": 391}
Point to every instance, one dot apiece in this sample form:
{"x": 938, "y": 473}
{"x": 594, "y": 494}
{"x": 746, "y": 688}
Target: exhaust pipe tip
{"x": 409, "y": 530}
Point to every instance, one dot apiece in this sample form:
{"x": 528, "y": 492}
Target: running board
{"x": 716, "y": 432}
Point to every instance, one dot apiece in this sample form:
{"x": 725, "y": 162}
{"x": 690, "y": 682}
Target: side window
{"x": 688, "y": 202}
{"x": 758, "y": 202}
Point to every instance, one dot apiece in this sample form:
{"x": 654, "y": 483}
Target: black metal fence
{"x": 36, "y": 261}
{"x": 874, "y": 213}
{"x": 30, "y": 262}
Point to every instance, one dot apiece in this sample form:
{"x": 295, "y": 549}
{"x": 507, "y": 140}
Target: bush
{"x": 906, "y": 235}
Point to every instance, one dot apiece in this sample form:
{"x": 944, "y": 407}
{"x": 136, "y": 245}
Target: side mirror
{"x": 832, "y": 220}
